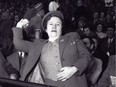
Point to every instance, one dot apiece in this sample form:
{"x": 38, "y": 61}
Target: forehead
{"x": 54, "y": 19}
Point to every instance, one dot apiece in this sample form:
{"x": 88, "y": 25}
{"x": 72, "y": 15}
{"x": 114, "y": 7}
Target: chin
{"x": 53, "y": 34}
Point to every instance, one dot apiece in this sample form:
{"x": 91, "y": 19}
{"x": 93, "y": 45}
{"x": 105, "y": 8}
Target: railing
{"x": 14, "y": 83}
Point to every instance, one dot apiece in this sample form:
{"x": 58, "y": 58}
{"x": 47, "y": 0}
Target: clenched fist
{"x": 23, "y": 23}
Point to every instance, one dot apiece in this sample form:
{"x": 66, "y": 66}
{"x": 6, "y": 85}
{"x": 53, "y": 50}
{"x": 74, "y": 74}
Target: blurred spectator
{"x": 108, "y": 78}
{"x": 16, "y": 20}
{"x": 80, "y": 25}
{"x": 11, "y": 16}
{"x": 109, "y": 20}
{"x": 106, "y": 48}
{"x": 108, "y": 44}
{"x": 34, "y": 16}
{"x": 102, "y": 18}
{"x": 17, "y": 62}
{"x": 89, "y": 43}
{"x": 80, "y": 10}
{"x": 95, "y": 17}
{"x": 99, "y": 32}
{"x": 87, "y": 32}
{"x": 6, "y": 33}
{"x": 95, "y": 66}
{"x": 67, "y": 11}
{"x": 53, "y": 5}
{"x": 3, "y": 69}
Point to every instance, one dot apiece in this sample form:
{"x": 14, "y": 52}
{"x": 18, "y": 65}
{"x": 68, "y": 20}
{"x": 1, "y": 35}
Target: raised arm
{"x": 18, "y": 41}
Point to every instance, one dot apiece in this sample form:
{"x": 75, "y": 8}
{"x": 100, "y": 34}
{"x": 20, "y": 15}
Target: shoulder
{"x": 73, "y": 35}
{"x": 39, "y": 41}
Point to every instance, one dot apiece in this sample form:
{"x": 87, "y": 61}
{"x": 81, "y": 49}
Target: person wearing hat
{"x": 34, "y": 15}
{"x": 60, "y": 61}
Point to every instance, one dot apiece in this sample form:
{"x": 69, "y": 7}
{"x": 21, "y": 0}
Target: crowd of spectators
{"x": 94, "y": 20}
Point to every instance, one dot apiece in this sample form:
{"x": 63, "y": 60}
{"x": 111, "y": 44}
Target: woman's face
{"x": 54, "y": 27}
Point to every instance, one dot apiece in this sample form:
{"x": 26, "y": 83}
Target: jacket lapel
{"x": 14, "y": 60}
{"x": 17, "y": 57}
{"x": 62, "y": 43}
{"x": 33, "y": 58}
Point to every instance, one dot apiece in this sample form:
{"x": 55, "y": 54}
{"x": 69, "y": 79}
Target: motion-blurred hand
{"x": 23, "y": 23}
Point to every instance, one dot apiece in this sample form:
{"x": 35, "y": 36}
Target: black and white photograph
{"x": 57, "y": 43}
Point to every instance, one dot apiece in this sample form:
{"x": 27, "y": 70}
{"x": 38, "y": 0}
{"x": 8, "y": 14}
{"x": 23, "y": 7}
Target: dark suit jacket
{"x": 104, "y": 46}
{"x": 3, "y": 69}
{"x": 13, "y": 59}
{"x": 72, "y": 52}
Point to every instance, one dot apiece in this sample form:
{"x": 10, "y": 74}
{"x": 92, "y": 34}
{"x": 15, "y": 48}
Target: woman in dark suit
{"x": 60, "y": 60}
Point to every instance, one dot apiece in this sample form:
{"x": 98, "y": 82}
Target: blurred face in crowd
{"x": 54, "y": 27}
{"x": 79, "y": 3}
{"x": 108, "y": 17}
{"x": 5, "y": 15}
{"x": 81, "y": 24}
{"x": 102, "y": 14}
{"x": 11, "y": 15}
{"x": 87, "y": 31}
{"x": 96, "y": 15}
{"x": 110, "y": 32}
{"x": 99, "y": 27}
{"x": 16, "y": 18}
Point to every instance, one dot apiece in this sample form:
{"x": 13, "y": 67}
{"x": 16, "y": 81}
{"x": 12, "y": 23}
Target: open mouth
{"x": 53, "y": 31}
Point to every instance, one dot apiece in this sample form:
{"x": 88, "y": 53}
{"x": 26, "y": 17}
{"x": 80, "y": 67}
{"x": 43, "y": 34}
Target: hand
{"x": 23, "y": 23}
{"x": 13, "y": 76}
{"x": 66, "y": 73}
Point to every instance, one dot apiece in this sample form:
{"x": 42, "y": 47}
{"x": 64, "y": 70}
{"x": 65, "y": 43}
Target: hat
{"x": 49, "y": 15}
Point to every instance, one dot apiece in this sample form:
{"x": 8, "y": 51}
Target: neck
{"x": 52, "y": 39}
